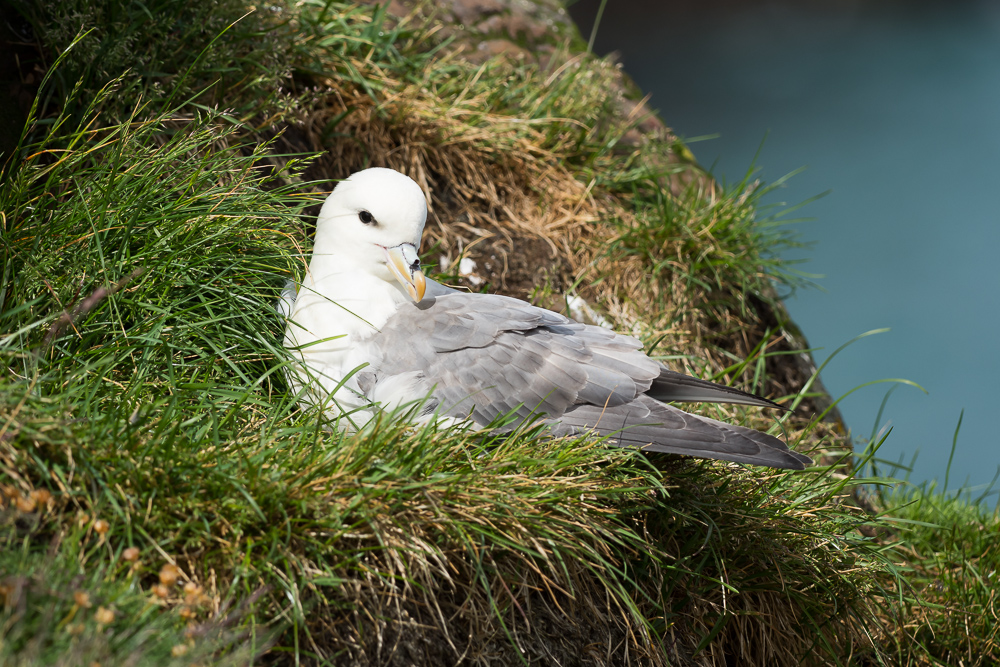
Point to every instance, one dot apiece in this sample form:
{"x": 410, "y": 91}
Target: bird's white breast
{"x": 335, "y": 311}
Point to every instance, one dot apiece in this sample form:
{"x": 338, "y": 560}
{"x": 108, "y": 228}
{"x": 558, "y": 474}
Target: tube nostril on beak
{"x": 404, "y": 264}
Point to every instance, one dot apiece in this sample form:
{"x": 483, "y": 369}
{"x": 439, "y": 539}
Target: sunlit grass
{"x": 948, "y": 548}
{"x": 942, "y": 541}
{"x": 160, "y": 409}
{"x": 146, "y": 235}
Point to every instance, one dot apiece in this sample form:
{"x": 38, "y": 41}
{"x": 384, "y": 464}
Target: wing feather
{"x": 484, "y": 356}
{"x": 654, "y": 426}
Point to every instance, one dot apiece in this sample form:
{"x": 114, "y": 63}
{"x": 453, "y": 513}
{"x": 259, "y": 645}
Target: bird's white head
{"x": 374, "y": 219}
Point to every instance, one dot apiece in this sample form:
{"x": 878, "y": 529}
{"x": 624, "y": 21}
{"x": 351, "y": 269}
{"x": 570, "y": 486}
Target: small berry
{"x": 41, "y": 496}
{"x": 104, "y": 616}
{"x": 169, "y": 574}
{"x": 26, "y": 504}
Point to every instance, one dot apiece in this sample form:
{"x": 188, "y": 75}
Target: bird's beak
{"x": 404, "y": 264}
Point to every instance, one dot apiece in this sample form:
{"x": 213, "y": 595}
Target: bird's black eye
{"x": 366, "y": 217}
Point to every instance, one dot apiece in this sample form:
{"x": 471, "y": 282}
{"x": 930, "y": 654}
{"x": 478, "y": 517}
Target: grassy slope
{"x": 150, "y": 218}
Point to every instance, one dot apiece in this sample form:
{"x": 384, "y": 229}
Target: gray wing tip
{"x": 672, "y": 386}
{"x": 655, "y": 427}
{"x": 286, "y": 302}
{"x": 791, "y": 460}
{"x": 774, "y": 404}
{"x": 769, "y": 457}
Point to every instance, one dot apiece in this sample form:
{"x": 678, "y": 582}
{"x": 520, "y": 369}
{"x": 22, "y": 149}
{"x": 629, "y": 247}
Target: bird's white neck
{"x": 364, "y": 300}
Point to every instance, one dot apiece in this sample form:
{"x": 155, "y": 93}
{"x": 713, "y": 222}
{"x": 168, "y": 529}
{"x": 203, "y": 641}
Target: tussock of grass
{"x": 220, "y": 51}
{"x": 946, "y": 549}
{"x": 145, "y": 238}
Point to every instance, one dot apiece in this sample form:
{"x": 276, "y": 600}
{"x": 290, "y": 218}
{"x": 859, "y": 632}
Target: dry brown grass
{"x": 474, "y": 191}
{"x": 422, "y": 597}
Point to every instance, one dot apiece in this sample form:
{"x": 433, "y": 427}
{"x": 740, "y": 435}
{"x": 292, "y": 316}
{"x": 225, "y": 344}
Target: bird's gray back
{"x": 489, "y": 355}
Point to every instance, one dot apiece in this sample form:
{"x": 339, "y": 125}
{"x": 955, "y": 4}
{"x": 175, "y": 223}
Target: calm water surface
{"x": 896, "y": 109}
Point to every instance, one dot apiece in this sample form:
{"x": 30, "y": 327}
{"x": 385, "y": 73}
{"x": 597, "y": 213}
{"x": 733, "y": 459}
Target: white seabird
{"x": 373, "y": 333}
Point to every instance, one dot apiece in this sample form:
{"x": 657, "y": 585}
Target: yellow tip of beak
{"x": 407, "y": 270}
{"x": 418, "y": 286}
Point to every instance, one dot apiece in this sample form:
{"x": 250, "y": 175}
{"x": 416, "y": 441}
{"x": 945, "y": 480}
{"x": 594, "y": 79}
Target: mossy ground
{"x": 164, "y": 498}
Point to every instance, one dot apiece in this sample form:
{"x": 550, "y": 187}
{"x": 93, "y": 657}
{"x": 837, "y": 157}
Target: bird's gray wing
{"x": 653, "y": 426}
{"x": 488, "y": 355}
{"x": 286, "y": 302}
{"x": 485, "y": 356}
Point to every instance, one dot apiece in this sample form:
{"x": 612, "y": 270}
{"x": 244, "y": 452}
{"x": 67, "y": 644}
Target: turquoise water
{"x": 896, "y": 109}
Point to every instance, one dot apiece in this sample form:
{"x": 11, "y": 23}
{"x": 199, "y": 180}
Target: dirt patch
{"x": 524, "y": 267}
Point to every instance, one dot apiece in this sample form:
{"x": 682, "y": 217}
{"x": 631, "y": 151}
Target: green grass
{"x": 949, "y": 552}
{"x": 162, "y": 409}
{"x": 165, "y": 51}
{"x": 944, "y": 547}
{"x": 146, "y": 236}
